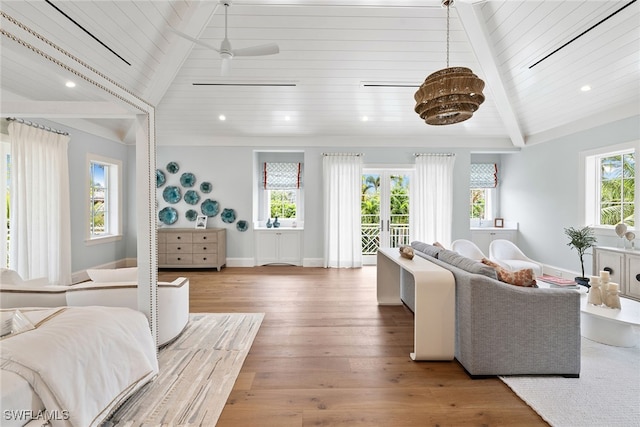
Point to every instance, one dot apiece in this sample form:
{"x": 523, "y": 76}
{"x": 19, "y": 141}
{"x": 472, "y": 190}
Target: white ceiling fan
{"x": 227, "y": 53}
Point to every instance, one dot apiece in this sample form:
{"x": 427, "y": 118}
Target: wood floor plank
{"x": 328, "y": 355}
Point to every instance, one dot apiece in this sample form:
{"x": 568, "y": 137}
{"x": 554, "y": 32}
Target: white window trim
{"x": 114, "y": 212}
{"x": 588, "y": 183}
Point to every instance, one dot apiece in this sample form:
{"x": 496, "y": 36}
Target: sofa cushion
{"x": 467, "y": 264}
{"x": 103, "y": 275}
{"x": 525, "y": 277}
{"x": 426, "y": 248}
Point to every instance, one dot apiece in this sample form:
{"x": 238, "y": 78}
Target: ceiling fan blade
{"x": 196, "y": 41}
{"x": 264, "y": 49}
{"x": 226, "y": 66}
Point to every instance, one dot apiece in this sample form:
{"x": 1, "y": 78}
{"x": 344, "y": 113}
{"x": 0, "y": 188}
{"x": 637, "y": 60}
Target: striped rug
{"x": 197, "y": 373}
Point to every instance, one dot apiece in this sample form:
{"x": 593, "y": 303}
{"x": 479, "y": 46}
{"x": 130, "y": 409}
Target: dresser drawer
{"x": 179, "y": 237}
{"x": 179, "y": 259}
{"x": 179, "y": 248}
{"x": 205, "y": 238}
{"x": 205, "y": 248}
{"x": 162, "y": 238}
{"x": 204, "y": 259}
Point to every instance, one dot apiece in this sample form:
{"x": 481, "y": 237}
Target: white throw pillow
{"x": 104, "y": 275}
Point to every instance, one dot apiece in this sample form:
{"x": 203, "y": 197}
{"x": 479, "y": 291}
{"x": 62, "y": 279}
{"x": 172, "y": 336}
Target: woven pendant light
{"x": 450, "y": 95}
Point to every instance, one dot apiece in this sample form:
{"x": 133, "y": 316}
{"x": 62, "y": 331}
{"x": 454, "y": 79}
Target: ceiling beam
{"x": 479, "y": 39}
{"x": 194, "y": 23}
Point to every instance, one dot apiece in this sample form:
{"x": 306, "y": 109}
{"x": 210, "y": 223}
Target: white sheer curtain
{"x": 342, "y": 191}
{"x": 431, "y": 206}
{"x": 40, "y": 243}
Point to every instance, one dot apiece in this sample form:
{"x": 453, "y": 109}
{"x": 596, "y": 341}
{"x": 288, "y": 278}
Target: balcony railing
{"x": 398, "y": 234}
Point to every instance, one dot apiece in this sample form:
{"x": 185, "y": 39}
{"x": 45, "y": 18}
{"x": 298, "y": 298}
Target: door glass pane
{"x": 370, "y": 210}
{"x": 399, "y": 211}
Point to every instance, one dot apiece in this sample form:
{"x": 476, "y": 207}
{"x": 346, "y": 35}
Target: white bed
{"x": 76, "y": 366}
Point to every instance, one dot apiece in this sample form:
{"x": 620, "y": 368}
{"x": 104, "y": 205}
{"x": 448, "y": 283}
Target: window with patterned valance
{"x": 484, "y": 175}
{"x": 282, "y": 176}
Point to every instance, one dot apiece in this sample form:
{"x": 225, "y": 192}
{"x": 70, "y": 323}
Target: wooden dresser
{"x": 192, "y": 248}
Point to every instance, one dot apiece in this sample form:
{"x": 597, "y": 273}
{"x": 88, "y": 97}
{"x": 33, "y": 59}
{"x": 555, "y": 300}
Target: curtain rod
{"x": 36, "y": 125}
{"x": 434, "y": 154}
{"x": 343, "y": 154}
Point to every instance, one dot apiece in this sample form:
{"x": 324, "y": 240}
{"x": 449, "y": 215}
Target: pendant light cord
{"x": 448, "y": 34}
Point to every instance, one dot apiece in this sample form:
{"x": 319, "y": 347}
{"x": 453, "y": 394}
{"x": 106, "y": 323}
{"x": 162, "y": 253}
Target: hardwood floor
{"x": 328, "y": 355}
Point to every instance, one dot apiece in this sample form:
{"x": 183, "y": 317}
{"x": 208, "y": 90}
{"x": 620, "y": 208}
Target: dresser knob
{"x": 608, "y": 269}
{"x": 204, "y": 259}
{"x": 179, "y": 258}
{"x": 205, "y": 248}
{"x": 204, "y": 237}
{"x": 179, "y": 248}
{"x": 179, "y": 237}
{"x": 638, "y": 277}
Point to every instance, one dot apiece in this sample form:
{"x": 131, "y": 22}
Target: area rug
{"x": 606, "y": 394}
{"x": 197, "y": 373}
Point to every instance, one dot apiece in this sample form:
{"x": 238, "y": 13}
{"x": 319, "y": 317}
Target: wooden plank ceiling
{"x": 330, "y": 53}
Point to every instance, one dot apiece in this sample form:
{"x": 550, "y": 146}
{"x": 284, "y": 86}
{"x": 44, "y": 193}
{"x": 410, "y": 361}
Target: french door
{"x": 384, "y": 211}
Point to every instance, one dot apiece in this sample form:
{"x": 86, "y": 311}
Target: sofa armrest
{"x": 508, "y": 330}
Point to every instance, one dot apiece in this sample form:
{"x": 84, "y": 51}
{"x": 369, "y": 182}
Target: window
{"x": 283, "y": 204}
{"x": 484, "y": 179}
{"x": 610, "y": 195}
{"x": 104, "y": 210}
{"x": 282, "y": 185}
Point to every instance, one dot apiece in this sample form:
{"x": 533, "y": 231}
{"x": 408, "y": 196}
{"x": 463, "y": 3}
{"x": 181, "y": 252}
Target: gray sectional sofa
{"x": 502, "y": 329}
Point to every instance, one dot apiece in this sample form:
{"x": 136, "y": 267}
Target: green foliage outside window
{"x": 370, "y": 200}
{"x": 282, "y": 203}
{"x": 617, "y": 189}
{"x": 478, "y": 203}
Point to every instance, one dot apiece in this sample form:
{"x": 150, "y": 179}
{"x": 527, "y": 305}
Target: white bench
{"x": 435, "y": 301}
{"x": 620, "y": 328}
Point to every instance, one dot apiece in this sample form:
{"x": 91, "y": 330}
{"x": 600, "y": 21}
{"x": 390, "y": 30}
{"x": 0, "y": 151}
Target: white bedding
{"x": 82, "y": 362}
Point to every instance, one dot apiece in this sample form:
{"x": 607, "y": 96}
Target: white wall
{"x": 540, "y": 189}
{"x": 230, "y": 170}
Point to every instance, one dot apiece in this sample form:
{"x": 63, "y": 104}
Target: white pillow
{"x": 104, "y": 275}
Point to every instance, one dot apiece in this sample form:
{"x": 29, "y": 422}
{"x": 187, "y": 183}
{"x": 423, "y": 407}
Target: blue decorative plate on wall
{"x": 160, "y": 178}
{"x": 191, "y": 197}
{"x": 187, "y": 179}
{"x": 171, "y": 194}
{"x": 206, "y": 187}
{"x": 210, "y": 207}
{"x": 173, "y": 167}
{"x": 228, "y": 215}
{"x": 242, "y": 225}
{"x": 191, "y": 215}
{"x": 168, "y": 215}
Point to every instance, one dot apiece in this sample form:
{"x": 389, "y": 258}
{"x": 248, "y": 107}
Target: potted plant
{"x": 581, "y": 239}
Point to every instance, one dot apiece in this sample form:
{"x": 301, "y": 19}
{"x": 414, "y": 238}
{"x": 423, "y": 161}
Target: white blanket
{"x": 82, "y": 362}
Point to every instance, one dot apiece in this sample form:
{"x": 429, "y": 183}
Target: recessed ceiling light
{"x": 287, "y": 118}
{"x": 365, "y": 118}
{"x": 585, "y": 88}
{"x": 70, "y": 84}
{"x": 222, "y": 117}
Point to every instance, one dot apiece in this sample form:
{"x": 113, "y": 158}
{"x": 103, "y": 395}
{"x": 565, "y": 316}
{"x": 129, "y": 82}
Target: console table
{"x": 434, "y": 317}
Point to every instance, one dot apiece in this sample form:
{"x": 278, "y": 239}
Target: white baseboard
{"x": 313, "y": 262}
{"x": 241, "y": 262}
{"x": 559, "y": 272}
